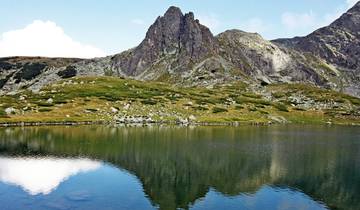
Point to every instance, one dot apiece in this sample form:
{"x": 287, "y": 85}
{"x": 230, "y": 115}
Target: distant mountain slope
{"x": 266, "y": 62}
{"x": 25, "y": 72}
{"x": 338, "y": 44}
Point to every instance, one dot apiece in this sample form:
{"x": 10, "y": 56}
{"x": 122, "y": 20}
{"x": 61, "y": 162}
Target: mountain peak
{"x": 173, "y": 11}
{"x": 174, "y": 34}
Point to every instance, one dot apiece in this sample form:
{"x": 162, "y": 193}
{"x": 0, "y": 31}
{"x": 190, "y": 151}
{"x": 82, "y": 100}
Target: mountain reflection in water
{"x": 280, "y": 167}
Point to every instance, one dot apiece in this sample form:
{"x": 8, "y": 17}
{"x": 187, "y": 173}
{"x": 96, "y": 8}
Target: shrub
{"x": 173, "y": 98}
{"x": 60, "y": 102}
{"x": 340, "y": 100}
{"x": 354, "y": 100}
{"x": 260, "y": 106}
{"x": 278, "y": 95}
{"x": 251, "y": 95}
{"x": 263, "y": 112}
{"x": 239, "y": 107}
{"x": 45, "y": 109}
{"x": 204, "y": 101}
{"x": 44, "y": 104}
{"x": 200, "y": 108}
{"x": 252, "y": 109}
{"x": 149, "y": 102}
{"x": 243, "y": 100}
{"x": 219, "y": 110}
{"x": 281, "y": 107}
{"x": 91, "y": 110}
{"x": 3, "y": 113}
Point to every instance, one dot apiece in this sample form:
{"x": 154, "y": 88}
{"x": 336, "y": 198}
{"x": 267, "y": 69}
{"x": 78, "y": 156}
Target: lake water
{"x": 163, "y": 167}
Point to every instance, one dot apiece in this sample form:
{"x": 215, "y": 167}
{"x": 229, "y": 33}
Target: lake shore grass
{"x": 90, "y": 100}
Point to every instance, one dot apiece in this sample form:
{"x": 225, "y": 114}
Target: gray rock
{"x": 114, "y": 110}
{"x": 50, "y": 101}
{"x": 133, "y": 120}
{"x": 10, "y": 110}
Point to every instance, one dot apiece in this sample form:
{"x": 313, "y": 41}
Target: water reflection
{"x": 207, "y": 167}
{"x": 42, "y": 175}
{"x": 269, "y": 198}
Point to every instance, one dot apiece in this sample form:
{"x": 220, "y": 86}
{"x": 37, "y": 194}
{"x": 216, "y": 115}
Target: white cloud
{"x": 211, "y": 21}
{"x": 138, "y": 21}
{"x": 44, "y": 38}
{"x": 42, "y": 176}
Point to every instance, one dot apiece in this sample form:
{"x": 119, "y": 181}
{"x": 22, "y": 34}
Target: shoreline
{"x": 235, "y": 124}
{"x": 66, "y": 123}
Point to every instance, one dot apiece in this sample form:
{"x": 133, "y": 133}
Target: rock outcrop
{"x": 268, "y": 63}
{"x": 17, "y": 73}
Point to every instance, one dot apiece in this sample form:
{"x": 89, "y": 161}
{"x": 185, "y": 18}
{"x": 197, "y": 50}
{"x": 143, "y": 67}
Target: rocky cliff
{"x": 268, "y": 63}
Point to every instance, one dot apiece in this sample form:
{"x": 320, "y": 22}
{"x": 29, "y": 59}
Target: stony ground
{"x": 108, "y": 99}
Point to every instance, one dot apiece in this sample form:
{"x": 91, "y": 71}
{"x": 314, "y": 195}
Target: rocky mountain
{"x": 175, "y": 40}
{"x": 179, "y": 49}
{"x": 338, "y": 44}
{"x": 268, "y": 63}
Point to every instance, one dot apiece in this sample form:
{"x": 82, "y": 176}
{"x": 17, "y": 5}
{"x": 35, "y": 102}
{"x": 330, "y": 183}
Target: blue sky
{"x": 111, "y": 26}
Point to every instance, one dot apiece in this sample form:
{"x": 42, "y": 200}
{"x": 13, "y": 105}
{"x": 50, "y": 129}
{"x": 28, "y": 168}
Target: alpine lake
{"x": 281, "y": 167}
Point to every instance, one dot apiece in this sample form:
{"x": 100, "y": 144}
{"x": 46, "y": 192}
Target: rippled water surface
{"x": 99, "y": 167}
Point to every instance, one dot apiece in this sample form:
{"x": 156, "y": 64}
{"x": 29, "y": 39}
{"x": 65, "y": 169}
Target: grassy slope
{"x": 92, "y": 99}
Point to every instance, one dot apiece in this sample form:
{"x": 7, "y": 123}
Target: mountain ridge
{"x": 338, "y": 44}
{"x": 178, "y": 49}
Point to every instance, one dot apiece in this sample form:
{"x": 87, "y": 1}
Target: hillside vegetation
{"x": 108, "y": 99}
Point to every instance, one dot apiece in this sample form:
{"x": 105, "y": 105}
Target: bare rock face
{"x": 178, "y": 38}
{"x": 255, "y": 56}
{"x": 338, "y": 44}
{"x": 266, "y": 62}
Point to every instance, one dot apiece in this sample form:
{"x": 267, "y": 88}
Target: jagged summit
{"x": 173, "y": 35}
{"x": 173, "y": 11}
